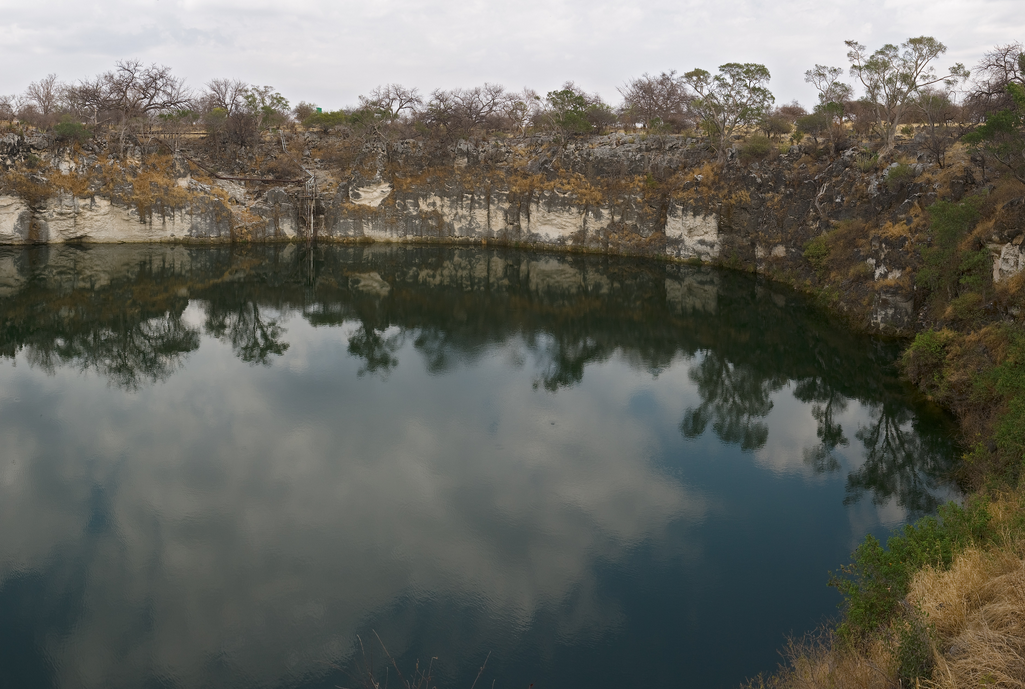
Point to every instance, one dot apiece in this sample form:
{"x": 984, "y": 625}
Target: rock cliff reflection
{"x": 220, "y": 466}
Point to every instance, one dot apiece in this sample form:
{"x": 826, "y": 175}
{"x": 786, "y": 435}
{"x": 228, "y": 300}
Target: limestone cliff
{"x": 655, "y": 196}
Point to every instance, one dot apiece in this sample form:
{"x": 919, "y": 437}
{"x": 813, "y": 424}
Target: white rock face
{"x": 14, "y": 220}
{"x": 465, "y": 216}
{"x": 67, "y": 218}
{"x": 371, "y": 195}
{"x": 692, "y": 236}
{"x": 1010, "y": 261}
{"x": 554, "y": 218}
{"x": 554, "y": 225}
{"x": 96, "y": 219}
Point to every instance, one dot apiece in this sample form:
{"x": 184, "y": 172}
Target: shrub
{"x": 948, "y": 270}
{"x": 966, "y": 309}
{"x": 899, "y": 175}
{"x": 876, "y": 582}
{"x": 914, "y": 649}
{"x": 757, "y": 147}
{"x": 325, "y": 121}
{"x": 861, "y": 271}
{"x": 814, "y": 125}
{"x": 816, "y": 252}
{"x": 1007, "y": 379}
{"x": 68, "y": 131}
{"x": 923, "y": 361}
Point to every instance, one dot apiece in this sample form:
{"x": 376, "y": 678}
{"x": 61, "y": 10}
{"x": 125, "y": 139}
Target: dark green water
{"x": 224, "y": 467}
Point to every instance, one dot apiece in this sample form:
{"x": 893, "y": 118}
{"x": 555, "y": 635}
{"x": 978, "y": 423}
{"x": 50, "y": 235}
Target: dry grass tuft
{"x": 982, "y": 642}
{"x": 824, "y": 663}
{"x": 977, "y": 609}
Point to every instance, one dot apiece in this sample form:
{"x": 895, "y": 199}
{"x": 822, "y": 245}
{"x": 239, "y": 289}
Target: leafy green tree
{"x": 266, "y": 106}
{"x": 834, "y": 96}
{"x": 893, "y": 76}
{"x": 326, "y": 121}
{"x": 573, "y": 112}
{"x": 735, "y": 97}
{"x": 814, "y": 125}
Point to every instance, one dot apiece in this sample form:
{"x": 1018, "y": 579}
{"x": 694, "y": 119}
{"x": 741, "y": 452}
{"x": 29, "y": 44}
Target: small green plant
{"x": 899, "y": 175}
{"x": 867, "y": 161}
{"x": 914, "y": 649}
{"x": 907, "y": 131}
{"x": 816, "y": 252}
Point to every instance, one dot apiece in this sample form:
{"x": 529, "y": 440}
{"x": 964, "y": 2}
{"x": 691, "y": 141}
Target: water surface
{"x": 228, "y": 467}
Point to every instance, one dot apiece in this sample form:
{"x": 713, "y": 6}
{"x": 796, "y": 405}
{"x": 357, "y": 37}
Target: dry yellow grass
{"x": 978, "y": 609}
{"x": 823, "y": 663}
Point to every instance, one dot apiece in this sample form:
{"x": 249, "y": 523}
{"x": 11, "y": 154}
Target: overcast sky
{"x": 330, "y": 52}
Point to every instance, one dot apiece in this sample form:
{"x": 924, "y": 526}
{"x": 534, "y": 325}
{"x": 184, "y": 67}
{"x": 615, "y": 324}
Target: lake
{"x": 281, "y": 466}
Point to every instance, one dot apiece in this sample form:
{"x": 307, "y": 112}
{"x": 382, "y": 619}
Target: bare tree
{"x": 134, "y": 90}
{"x": 303, "y": 110}
{"x": 394, "y": 99}
{"x": 44, "y": 95}
{"x": 461, "y": 112}
{"x": 998, "y": 68}
{"x": 656, "y": 101}
{"x": 523, "y": 109}
{"x": 131, "y": 91}
{"x": 227, "y": 94}
{"x": 937, "y": 109}
{"x": 9, "y": 107}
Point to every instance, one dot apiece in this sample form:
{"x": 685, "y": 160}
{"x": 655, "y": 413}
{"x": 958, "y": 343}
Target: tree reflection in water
{"x": 254, "y": 338}
{"x": 748, "y": 342}
{"x": 376, "y": 351}
{"x": 733, "y": 399}
{"x": 900, "y": 460}
{"x": 826, "y": 403}
{"x": 140, "y": 353}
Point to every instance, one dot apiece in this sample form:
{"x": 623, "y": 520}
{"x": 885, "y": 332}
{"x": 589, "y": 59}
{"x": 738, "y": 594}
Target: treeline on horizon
{"x": 890, "y": 88}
